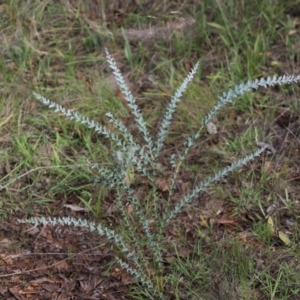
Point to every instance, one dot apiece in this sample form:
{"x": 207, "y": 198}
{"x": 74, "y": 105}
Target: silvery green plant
{"x": 135, "y": 159}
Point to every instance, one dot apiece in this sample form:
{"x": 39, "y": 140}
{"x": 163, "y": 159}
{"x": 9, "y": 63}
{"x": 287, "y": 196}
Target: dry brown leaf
{"x": 233, "y": 115}
{"x": 6, "y": 259}
{"x": 5, "y": 242}
{"x": 292, "y": 32}
{"x": 130, "y": 208}
{"x": 163, "y": 185}
{"x": 62, "y": 265}
{"x": 187, "y": 65}
{"x": 76, "y": 208}
{"x": 203, "y": 221}
{"x": 222, "y": 221}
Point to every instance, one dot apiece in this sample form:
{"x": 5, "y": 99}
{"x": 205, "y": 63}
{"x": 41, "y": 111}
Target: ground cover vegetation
{"x": 237, "y": 239}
